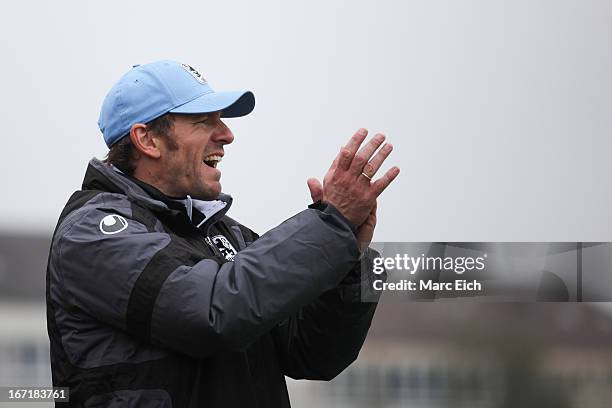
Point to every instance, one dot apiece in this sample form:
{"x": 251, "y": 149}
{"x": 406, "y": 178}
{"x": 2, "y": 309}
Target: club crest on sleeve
{"x": 112, "y": 224}
{"x": 225, "y": 247}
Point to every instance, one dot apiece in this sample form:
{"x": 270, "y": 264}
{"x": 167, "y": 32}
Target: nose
{"x": 223, "y": 134}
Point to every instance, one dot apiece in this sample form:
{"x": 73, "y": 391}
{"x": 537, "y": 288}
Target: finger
{"x": 371, "y": 220}
{"x": 335, "y": 162}
{"x": 316, "y": 189}
{"x": 365, "y": 153}
{"x": 371, "y": 216}
{"x": 379, "y": 185}
{"x": 348, "y": 152}
{"x": 373, "y": 165}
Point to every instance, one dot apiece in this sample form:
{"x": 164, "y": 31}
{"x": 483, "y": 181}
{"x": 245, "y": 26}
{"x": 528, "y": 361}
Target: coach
{"x": 156, "y": 298}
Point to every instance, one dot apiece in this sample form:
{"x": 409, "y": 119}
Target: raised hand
{"x": 348, "y": 184}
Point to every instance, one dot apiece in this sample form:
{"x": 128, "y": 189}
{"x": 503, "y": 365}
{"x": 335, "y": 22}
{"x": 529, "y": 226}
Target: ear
{"x": 145, "y": 141}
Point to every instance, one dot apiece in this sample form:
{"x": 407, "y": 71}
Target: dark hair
{"x": 123, "y": 154}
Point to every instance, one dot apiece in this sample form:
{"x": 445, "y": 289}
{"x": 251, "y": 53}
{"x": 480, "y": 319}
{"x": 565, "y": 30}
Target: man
{"x": 156, "y": 298}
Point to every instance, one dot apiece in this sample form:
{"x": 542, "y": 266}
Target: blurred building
{"x": 418, "y": 354}
{"x": 465, "y": 354}
{"x": 24, "y": 345}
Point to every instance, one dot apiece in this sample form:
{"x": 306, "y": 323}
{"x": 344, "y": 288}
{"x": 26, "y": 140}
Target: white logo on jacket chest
{"x": 225, "y": 247}
{"x": 112, "y": 224}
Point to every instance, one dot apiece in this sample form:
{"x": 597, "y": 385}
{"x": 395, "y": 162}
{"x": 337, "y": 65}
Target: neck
{"x": 155, "y": 179}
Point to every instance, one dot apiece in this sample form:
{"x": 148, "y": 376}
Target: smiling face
{"x": 189, "y": 156}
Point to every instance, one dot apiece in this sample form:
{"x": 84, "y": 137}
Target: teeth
{"x": 212, "y": 160}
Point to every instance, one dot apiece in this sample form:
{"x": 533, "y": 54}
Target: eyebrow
{"x": 202, "y": 116}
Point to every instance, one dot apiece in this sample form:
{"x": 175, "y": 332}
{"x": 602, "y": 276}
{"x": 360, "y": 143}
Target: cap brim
{"x": 232, "y": 104}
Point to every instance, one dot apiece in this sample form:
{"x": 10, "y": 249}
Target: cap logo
{"x": 194, "y": 73}
{"x": 112, "y": 224}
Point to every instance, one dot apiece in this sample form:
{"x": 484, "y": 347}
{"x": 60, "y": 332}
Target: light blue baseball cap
{"x": 151, "y": 90}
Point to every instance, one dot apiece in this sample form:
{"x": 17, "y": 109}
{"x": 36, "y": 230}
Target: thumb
{"x": 316, "y": 189}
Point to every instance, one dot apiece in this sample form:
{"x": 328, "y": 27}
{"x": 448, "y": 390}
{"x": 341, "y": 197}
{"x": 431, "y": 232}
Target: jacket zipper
{"x": 208, "y": 224}
{"x": 212, "y": 246}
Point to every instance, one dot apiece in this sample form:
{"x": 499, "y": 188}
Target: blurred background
{"x": 499, "y": 112}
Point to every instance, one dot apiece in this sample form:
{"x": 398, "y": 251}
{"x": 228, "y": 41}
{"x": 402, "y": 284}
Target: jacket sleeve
{"x": 325, "y": 336}
{"x": 143, "y": 282}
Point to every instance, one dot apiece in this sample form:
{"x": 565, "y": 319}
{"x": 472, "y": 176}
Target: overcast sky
{"x": 500, "y": 111}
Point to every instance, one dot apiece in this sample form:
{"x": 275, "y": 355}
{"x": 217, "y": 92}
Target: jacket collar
{"x": 102, "y": 176}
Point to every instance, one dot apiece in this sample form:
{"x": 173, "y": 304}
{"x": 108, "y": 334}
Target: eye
{"x": 202, "y": 119}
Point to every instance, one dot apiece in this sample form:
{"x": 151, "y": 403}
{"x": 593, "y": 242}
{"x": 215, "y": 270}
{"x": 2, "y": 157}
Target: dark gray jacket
{"x": 154, "y": 304}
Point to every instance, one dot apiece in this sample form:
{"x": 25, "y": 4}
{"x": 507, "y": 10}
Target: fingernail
{"x": 363, "y": 132}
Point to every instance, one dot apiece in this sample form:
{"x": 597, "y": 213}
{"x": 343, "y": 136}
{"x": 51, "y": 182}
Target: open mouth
{"x": 212, "y": 161}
